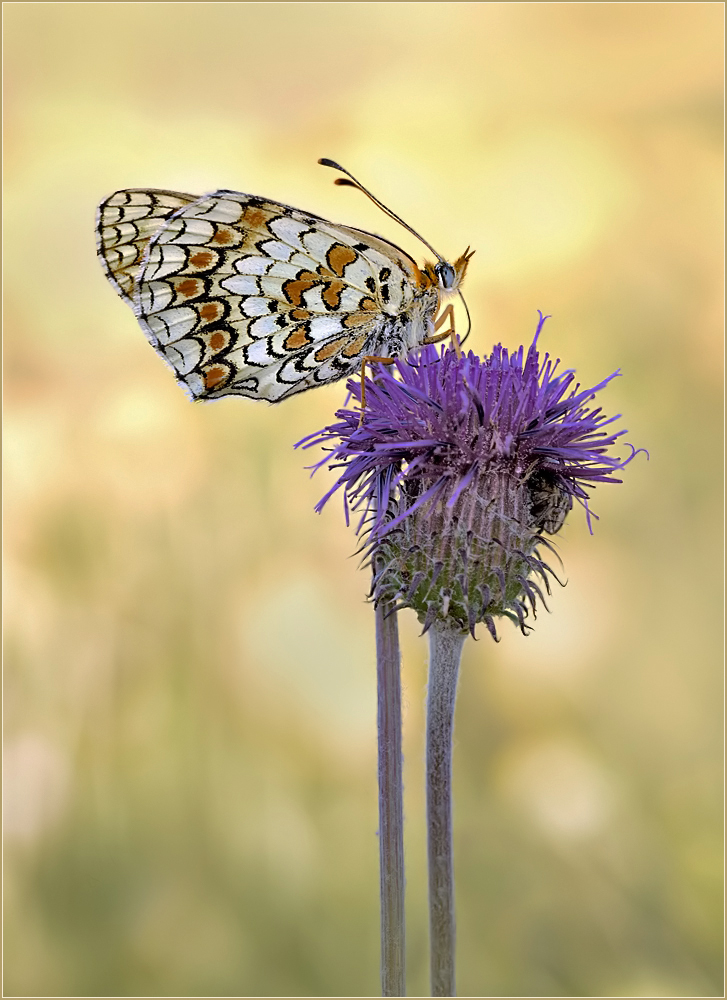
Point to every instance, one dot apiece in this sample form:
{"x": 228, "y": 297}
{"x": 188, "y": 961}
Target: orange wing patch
{"x": 355, "y": 347}
{"x": 223, "y": 236}
{"x": 328, "y": 350}
{"x": 298, "y": 338}
{"x": 216, "y": 340}
{"x": 211, "y": 311}
{"x": 188, "y": 288}
{"x": 332, "y": 293}
{"x": 203, "y": 259}
{"x": 215, "y": 376}
{"x": 357, "y": 319}
{"x": 293, "y": 288}
{"x": 339, "y": 256}
{"x": 256, "y": 218}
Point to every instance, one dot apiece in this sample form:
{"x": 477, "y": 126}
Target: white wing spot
{"x": 276, "y": 249}
{"x": 242, "y": 284}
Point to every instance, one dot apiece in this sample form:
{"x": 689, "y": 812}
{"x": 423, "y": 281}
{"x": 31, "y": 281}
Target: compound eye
{"x": 446, "y": 274}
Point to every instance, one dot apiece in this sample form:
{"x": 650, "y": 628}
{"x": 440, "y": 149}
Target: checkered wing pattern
{"x": 126, "y": 222}
{"x": 245, "y": 296}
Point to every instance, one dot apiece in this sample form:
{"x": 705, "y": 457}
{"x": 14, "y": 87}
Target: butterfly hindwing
{"x": 125, "y": 223}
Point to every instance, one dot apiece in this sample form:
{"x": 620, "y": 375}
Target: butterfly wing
{"x": 125, "y": 223}
{"x": 246, "y": 296}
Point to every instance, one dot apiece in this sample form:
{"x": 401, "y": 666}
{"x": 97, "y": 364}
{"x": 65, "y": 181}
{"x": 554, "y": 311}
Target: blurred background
{"x": 190, "y": 745}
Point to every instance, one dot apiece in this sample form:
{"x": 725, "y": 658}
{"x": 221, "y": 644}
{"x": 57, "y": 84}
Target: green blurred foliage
{"x": 190, "y": 701}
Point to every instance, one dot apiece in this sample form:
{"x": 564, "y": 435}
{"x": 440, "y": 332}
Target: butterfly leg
{"x": 369, "y": 359}
{"x": 448, "y": 314}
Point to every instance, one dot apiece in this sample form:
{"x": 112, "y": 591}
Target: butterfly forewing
{"x": 246, "y": 296}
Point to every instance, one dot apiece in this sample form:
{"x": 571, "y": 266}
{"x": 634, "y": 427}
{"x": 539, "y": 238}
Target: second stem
{"x": 445, "y": 651}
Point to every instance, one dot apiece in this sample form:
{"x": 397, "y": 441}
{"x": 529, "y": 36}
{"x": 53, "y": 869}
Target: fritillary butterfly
{"x": 246, "y": 296}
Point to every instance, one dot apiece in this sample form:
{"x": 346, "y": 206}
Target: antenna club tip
{"x": 350, "y": 181}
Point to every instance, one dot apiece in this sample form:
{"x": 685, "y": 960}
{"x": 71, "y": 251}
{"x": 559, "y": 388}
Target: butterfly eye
{"x": 446, "y": 274}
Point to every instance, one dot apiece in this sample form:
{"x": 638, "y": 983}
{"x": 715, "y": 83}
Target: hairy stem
{"x": 445, "y": 650}
{"x": 391, "y": 809}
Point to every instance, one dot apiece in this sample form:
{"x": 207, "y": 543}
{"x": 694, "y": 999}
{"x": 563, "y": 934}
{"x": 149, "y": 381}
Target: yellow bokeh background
{"x": 190, "y": 747}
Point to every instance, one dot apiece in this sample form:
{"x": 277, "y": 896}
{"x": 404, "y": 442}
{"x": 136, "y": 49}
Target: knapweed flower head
{"x": 460, "y": 468}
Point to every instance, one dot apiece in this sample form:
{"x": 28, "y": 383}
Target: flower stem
{"x": 391, "y": 808}
{"x": 445, "y": 650}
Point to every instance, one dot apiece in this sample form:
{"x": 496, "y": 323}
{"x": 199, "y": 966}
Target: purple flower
{"x": 460, "y": 467}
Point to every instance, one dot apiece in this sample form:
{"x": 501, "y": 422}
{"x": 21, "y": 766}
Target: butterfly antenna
{"x": 325, "y": 162}
{"x": 469, "y": 319}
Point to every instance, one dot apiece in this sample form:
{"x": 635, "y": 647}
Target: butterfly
{"x": 246, "y": 296}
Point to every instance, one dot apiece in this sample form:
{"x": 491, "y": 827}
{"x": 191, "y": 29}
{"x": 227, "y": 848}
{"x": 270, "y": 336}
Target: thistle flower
{"x": 459, "y": 469}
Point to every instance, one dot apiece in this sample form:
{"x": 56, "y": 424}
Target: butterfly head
{"x": 448, "y": 277}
